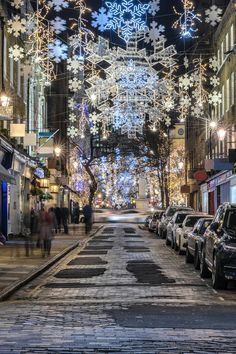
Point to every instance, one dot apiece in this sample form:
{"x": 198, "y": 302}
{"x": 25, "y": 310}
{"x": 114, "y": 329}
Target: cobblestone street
{"x": 124, "y": 292}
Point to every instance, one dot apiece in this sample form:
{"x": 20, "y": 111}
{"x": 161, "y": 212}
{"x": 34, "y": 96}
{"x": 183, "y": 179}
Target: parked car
{"x": 219, "y": 251}
{"x": 183, "y": 230}
{"x": 154, "y": 220}
{"x": 167, "y": 216}
{"x": 130, "y": 216}
{"x": 173, "y": 225}
{"x": 195, "y": 241}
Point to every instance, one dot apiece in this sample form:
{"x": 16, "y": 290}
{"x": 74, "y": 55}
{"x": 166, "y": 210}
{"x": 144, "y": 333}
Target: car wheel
{"x": 188, "y": 256}
{"x": 167, "y": 241}
{"x": 181, "y": 252}
{"x": 172, "y": 241}
{"x": 196, "y": 259}
{"x": 176, "y": 247}
{"x": 218, "y": 281}
{"x": 204, "y": 271}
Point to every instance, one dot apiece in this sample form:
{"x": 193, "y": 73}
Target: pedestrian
{"x": 46, "y": 221}
{"x": 27, "y": 232}
{"x": 76, "y": 214}
{"x": 65, "y": 218}
{"x": 57, "y": 211}
{"x": 88, "y": 218}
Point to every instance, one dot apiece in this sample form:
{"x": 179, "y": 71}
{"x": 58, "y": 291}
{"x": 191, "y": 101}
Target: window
{"x": 218, "y": 57}
{"x": 232, "y": 89}
{"x": 11, "y": 72}
{"x": 227, "y": 42}
{"x": 18, "y": 79}
{"x": 232, "y": 36}
{"x": 223, "y": 100}
{"x": 227, "y": 95}
{"x": 222, "y": 53}
{"x": 5, "y": 58}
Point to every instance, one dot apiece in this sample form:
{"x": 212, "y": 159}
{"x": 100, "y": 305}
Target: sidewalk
{"x": 15, "y": 266}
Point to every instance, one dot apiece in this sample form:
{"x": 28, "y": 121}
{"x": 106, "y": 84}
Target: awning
{"x": 6, "y": 176}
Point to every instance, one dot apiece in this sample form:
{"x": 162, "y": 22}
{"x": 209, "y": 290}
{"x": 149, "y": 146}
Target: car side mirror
{"x": 214, "y": 226}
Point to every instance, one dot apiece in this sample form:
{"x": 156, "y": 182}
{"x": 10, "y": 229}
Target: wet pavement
{"x": 124, "y": 292}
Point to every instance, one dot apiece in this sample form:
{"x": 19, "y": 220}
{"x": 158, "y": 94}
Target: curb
{"x": 11, "y": 289}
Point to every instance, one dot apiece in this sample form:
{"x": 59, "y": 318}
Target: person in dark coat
{"x": 65, "y": 218}
{"x": 57, "y": 212}
{"x": 88, "y": 218}
{"x": 76, "y": 214}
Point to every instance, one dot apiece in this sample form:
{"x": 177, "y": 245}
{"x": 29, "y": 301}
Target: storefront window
{"x": 233, "y": 194}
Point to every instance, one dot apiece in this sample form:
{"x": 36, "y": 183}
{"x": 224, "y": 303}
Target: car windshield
{"x": 180, "y": 218}
{"x": 192, "y": 221}
{"x": 230, "y": 222}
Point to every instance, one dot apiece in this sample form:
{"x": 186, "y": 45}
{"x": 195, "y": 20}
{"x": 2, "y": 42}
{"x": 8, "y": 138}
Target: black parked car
{"x": 195, "y": 241}
{"x": 219, "y": 250}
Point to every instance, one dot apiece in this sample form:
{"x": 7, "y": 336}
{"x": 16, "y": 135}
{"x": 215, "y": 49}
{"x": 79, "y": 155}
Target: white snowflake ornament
{"x": 58, "y": 5}
{"x": 154, "y": 7}
{"x": 16, "y": 52}
{"x": 100, "y": 19}
{"x": 75, "y": 84}
{"x": 16, "y": 26}
{"x": 72, "y": 118}
{"x": 213, "y": 63}
{"x": 71, "y": 103}
{"x": 155, "y": 33}
{"x": 17, "y": 3}
{"x": 26, "y": 69}
{"x": 72, "y": 132}
{"x": 94, "y": 117}
{"x": 185, "y": 102}
{"x": 57, "y": 51}
{"x": 30, "y": 25}
{"x": 75, "y": 64}
{"x": 215, "y": 81}
{"x": 215, "y": 98}
{"x": 58, "y": 25}
{"x": 186, "y": 81}
{"x": 213, "y": 15}
{"x": 94, "y": 130}
{"x": 167, "y": 121}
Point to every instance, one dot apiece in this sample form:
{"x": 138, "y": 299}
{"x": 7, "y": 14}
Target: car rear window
{"x": 230, "y": 221}
{"x": 180, "y": 218}
{"x": 192, "y": 221}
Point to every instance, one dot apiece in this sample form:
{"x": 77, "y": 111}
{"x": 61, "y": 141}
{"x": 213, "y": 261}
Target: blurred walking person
{"x": 65, "y": 218}
{"x": 88, "y": 218}
{"x": 46, "y": 221}
{"x": 57, "y": 211}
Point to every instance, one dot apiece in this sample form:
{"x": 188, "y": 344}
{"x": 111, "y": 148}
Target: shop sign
{"x": 200, "y": 176}
{"x": 185, "y": 189}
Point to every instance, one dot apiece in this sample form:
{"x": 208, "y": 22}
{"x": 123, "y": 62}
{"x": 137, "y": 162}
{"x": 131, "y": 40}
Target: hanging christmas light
{"x": 187, "y": 20}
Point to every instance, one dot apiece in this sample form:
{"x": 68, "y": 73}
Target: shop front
{"x": 215, "y": 191}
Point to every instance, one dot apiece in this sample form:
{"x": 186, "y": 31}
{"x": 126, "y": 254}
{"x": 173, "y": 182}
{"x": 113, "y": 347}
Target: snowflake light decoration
{"x": 71, "y": 103}
{"x": 186, "y": 81}
{"x": 93, "y": 117}
{"x": 154, "y": 7}
{"x": 100, "y": 19}
{"x": 75, "y": 84}
{"x": 213, "y": 15}
{"x": 58, "y": 25}
{"x": 16, "y": 52}
{"x": 127, "y": 18}
{"x": 213, "y": 63}
{"x": 72, "y": 118}
{"x": 72, "y": 132}
{"x": 17, "y": 3}
{"x": 75, "y": 64}
{"x": 58, "y": 5}
{"x": 187, "y": 20}
{"x": 57, "y": 51}
{"x": 94, "y": 130}
{"x": 155, "y": 33}
{"x": 215, "y": 81}
{"x": 16, "y": 26}
{"x": 215, "y": 98}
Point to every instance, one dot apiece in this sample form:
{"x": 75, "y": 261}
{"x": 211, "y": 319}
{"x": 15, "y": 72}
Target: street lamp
{"x": 221, "y": 133}
{"x": 57, "y": 151}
